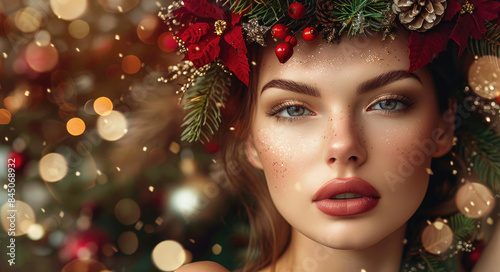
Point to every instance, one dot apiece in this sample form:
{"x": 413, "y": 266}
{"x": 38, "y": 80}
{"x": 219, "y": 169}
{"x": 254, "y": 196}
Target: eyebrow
{"x": 384, "y": 79}
{"x": 293, "y": 86}
{"x": 371, "y": 84}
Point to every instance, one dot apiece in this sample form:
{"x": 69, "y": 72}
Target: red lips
{"x": 346, "y": 207}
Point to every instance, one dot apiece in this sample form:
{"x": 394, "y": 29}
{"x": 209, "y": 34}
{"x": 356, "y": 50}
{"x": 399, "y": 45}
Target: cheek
{"x": 410, "y": 140}
{"x": 405, "y": 152}
{"x": 283, "y": 154}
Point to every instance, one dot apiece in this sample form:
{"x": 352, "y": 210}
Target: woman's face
{"x": 346, "y": 121}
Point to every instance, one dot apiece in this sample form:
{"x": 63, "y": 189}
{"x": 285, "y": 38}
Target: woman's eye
{"x": 389, "y": 105}
{"x": 294, "y": 111}
{"x": 394, "y": 103}
{"x": 289, "y": 111}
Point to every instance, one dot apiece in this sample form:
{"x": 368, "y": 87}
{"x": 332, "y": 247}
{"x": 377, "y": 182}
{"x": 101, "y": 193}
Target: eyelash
{"x": 276, "y": 109}
{"x": 408, "y": 103}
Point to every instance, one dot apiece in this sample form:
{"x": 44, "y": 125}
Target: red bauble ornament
{"x": 310, "y": 34}
{"x": 280, "y": 31}
{"x": 292, "y": 40}
{"x": 284, "y": 51}
{"x": 212, "y": 147}
{"x": 470, "y": 259}
{"x": 15, "y": 160}
{"x": 296, "y": 11}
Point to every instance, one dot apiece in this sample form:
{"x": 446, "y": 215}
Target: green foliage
{"x": 274, "y": 11}
{"x": 480, "y": 144}
{"x": 203, "y": 101}
{"x": 433, "y": 264}
{"x": 489, "y": 45}
{"x": 462, "y": 227}
{"x": 361, "y": 16}
{"x": 268, "y": 12}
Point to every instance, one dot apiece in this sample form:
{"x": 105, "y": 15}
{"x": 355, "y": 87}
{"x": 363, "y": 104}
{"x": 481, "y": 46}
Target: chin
{"x": 352, "y": 238}
{"x": 352, "y": 243}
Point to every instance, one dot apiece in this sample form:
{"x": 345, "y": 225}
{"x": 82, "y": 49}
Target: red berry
{"x": 212, "y": 147}
{"x": 284, "y": 51}
{"x": 310, "y": 34}
{"x": 292, "y": 40}
{"x": 296, "y": 11}
{"x": 280, "y": 31}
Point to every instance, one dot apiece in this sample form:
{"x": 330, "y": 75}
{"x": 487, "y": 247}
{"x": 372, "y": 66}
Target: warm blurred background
{"x": 102, "y": 181}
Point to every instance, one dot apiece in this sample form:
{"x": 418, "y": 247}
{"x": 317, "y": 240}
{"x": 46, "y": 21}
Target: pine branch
{"x": 462, "y": 227}
{"x": 433, "y": 265}
{"x": 361, "y": 16}
{"x": 489, "y": 45}
{"x": 481, "y": 145}
{"x": 203, "y": 101}
{"x": 241, "y": 6}
{"x": 268, "y": 12}
{"x": 274, "y": 11}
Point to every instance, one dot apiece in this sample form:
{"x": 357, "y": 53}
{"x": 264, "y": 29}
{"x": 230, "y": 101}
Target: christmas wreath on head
{"x": 213, "y": 35}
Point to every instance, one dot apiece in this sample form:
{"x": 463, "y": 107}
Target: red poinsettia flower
{"x": 210, "y": 33}
{"x": 425, "y": 46}
{"x": 470, "y": 22}
{"x": 471, "y": 17}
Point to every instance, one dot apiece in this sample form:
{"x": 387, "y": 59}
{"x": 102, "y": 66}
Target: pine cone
{"x": 324, "y": 10}
{"x": 419, "y": 15}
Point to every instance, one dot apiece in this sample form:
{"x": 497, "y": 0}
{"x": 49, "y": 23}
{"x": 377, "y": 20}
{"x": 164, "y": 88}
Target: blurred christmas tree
{"x": 101, "y": 180}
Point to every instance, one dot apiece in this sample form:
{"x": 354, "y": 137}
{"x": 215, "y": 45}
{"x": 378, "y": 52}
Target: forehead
{"x": 320, "y": 60}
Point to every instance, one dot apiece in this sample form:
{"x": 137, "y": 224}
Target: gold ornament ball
{"x": 475, "y": 200}
{"x": 484, "y": 76}
{"x": 437, "y": 237}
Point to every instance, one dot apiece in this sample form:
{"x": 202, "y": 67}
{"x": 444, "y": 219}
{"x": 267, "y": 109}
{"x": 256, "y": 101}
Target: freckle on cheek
{"x": 276, "y": 153}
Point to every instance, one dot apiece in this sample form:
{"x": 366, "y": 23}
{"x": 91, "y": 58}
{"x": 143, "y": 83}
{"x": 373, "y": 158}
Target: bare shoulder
{"x": 204, "y": 266}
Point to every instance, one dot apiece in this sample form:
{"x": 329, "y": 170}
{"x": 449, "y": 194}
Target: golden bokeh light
{"x": 174, "y": 147}
{"x": 35, "y": 232}
{"x": 112, "y": 127}
{"x": 475, "y": 200}
{"x": 103, "y": 105}
{"x": 41, "y": 58}
{"x": 128, "y": 242}
{"x": 78, "y": 29}
{"x": 12, "y": 104}
{"x": 28, "y": 19}
{"x": 75, "y": 126}
{"x": 168, "y": 255}
{"x": 5, "y": 116}
{"x": 147, "y": 29}
{"x": 18, "y": 218}
{"x": 484, "y": 76}
{"x": 53, "y": 167}
{"x": 42, "y": 38}
{"x": 437, "y": 237}
{"x": 127, "y": 211}
{"x": 216, "y": 249}
{"x": 131, "y": 64}
{"x": 68, "y": 9}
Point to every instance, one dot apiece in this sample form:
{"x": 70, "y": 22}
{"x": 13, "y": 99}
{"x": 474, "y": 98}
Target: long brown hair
{"x": 269, "y": 232}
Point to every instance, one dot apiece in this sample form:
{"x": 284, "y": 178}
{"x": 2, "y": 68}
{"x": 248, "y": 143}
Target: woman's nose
{"x": 345, "y": 143}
